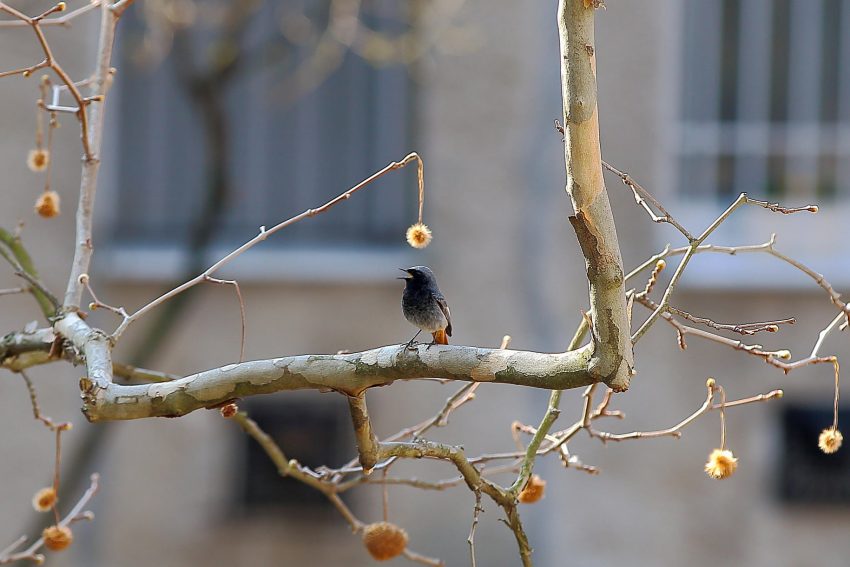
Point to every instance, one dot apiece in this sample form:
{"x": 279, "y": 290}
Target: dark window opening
{"x": 315, "y": 433}
{"x": 806, "y": 474}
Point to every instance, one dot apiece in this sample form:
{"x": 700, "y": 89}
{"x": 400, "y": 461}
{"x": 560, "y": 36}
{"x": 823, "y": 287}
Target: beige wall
{"x": 508, "y": 263}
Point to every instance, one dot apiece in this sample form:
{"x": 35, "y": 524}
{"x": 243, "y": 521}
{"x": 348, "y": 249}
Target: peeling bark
{"x": 613, "y": 359}
{"x": 350, "y": 374}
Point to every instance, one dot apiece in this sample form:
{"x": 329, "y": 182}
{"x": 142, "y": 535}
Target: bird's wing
{"x": 444, "y": 307}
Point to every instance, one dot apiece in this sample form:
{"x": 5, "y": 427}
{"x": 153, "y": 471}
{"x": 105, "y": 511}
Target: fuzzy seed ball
{"x": 419, "y": 235}
{"x": 47, "y": 204}
{"x": 721, "y": 464}
{"x": 38, "y": 159}
{"x": 830, "y": 440}
{"x": 44, "y": 499}
{"x": 384, "y": 540}
{"x": 57, "y": 538}
{"x": 533, "y": 490}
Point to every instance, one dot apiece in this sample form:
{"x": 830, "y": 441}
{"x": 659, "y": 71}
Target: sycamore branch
{"x": 350, "y": 374}
{"x": 613, "y": 359}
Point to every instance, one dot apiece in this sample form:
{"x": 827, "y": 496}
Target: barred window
{"x": 280, "y": 152}
{"x": 806, "y": 475}
{"x": 766, "y": 98}
{"x": 764, "y": 108}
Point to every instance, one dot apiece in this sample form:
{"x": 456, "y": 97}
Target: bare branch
{"x": 696, "y": 246}
{"x": 97, "y": 303}
{"x": 740, "y": 328}
{"x": 22, "y": 263}
{"x": 263, "y": 234}
{"x": 15, "y": 290}
{"x": 776, "y": 208}
{"x": 774, "y": 358}
{"x": 19, "y": 351}
{"x": 476, "y": 514}
{"x": 593, "y": 223}
{"x": 76, "y": 514}
{"x": 552, "y": 413}
{"x": 103, "y": 73}
{"x": 64, "y": 21}
{"x": 50, "y": 61}
{"x": 367, "y": 441}
{"x": 641, "y": 196}
{"x": 347, "y": 373}
{"x": 419, "y": 558}
{"x": 676, "y": 430}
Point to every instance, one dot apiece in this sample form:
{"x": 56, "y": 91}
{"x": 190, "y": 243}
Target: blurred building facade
{"x": 698, "y": 101}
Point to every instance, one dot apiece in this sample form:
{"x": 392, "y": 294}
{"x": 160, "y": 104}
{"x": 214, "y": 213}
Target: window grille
{"x": 312, "y": 432}
{"x": 766, "y": 100}
{"x": 763, "y": 108}
{"x": 283, "y": 157}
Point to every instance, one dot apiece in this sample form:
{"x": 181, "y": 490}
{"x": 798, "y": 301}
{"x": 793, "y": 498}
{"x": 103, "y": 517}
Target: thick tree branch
{"x": 19, "y": 351}
{"x": 92, "y": 345}
{"x": 350, "y": 374}
{"x": 368, "y": 445}
{"x": 613, "y": 360}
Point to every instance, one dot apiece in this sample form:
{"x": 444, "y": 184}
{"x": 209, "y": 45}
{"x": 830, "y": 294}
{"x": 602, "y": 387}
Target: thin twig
{"x": 552, "y": 412}
{"x": 823, "y": 334}
{"x": 76, "y": 514}
{"x": 263, "y": 234}
{"x": 97, "y": 303}
{"x": 14, "y": 290}
{"x": 64, "y": 21}
{"x": 697, "y": 247}
{"x": 50, "y": 61}
{"x": 740, "y": 328}
{"x": 641, "y": 196}
{"x": 13, "y": 250}
{"x": 419, "y": 558}
{"x": 774, "y": 358}
{"x": 476, "y": 513}
{"x": 676, "y": 430}
{"x": 36, "y": 410}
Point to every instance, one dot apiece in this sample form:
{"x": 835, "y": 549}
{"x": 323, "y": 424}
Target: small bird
{"x": 424, "y": 305}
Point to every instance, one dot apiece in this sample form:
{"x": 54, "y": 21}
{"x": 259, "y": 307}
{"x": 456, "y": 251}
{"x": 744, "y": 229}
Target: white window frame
{"x": 140, "y": 262}
{"x": 817, "y": 240}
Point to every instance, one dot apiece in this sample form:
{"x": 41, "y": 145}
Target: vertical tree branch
{"x": 613, "y": 360}
{"x": 368, "y": 446}
{"x": 91, "y": 165}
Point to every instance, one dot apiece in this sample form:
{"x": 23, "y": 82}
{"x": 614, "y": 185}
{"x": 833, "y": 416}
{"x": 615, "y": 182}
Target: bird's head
{"x": 418, "y": 274}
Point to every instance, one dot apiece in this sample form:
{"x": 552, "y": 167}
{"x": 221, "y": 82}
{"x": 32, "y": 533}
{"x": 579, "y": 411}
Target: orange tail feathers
{"x": 440, "y": 337}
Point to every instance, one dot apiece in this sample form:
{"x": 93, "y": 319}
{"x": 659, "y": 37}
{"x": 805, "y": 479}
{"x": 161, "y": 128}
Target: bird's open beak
{"x": 407, "y": 277}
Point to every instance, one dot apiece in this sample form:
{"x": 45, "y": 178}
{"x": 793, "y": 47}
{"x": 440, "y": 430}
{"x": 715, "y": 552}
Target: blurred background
{"x": 225, "y": 116}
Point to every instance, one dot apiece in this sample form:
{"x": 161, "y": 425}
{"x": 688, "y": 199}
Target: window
{"x": 806, "y": 474}
{"x": 764, "y": 108}
{"x": 207, "y": 131}
{"x": 313, "y": 432}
